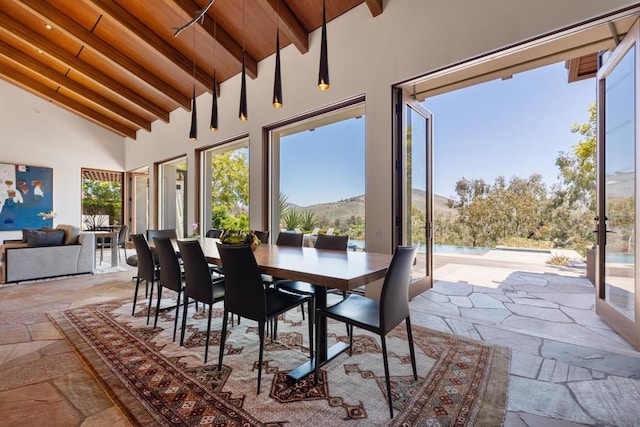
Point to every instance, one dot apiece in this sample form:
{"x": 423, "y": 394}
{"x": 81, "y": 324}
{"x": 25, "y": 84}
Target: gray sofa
{"x": 75, "y": 255}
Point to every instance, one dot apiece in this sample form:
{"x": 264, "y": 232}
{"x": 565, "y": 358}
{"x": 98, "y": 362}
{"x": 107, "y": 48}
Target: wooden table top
{"x": 344, "y": 270}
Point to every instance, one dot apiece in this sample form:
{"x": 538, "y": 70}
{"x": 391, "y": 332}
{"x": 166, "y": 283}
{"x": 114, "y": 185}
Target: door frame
{"x": 625, "y": 326}
{"x": 404, "y": 100}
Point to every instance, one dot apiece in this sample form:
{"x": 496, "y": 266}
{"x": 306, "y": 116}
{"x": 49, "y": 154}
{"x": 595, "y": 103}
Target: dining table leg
{"x": 322, "y": 353}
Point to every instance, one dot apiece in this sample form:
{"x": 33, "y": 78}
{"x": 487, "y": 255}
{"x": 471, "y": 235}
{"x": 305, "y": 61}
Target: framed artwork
{"x": 26, "y": 197}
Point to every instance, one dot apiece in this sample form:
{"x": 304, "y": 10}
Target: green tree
{"x": 230, "y": 190}
{"x": 101, "y": 198}
{"x": 578, "y": 168}
{"x": 574, "y": 197}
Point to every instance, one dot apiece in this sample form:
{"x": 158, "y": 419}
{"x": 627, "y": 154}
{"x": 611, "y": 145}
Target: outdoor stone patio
{"x": 568, "y": 367}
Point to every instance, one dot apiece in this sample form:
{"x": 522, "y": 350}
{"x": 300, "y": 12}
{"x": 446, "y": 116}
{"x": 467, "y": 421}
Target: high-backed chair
{"x": 170, "y": 275}
{"x": 247, "y": 297}
{"x": 214, "y": 233}
{"x": 324, "y": 241}
{"x": 289, "y": 239}
{"x": 147, "y": 269}
{"x": 165, "y": 232}
{"x": 262, "y": 235}
{"x": 382, "y": 316}
{"x": 198, "y": 284}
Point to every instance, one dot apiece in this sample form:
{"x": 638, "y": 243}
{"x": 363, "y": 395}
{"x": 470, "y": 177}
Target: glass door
{"x": 617, "y": 300}
{"x": 138, "y": 202}
{"x": 414, "y": 221}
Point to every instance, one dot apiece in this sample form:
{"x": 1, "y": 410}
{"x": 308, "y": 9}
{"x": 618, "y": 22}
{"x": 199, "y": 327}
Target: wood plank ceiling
{"x": 118, "y": 63}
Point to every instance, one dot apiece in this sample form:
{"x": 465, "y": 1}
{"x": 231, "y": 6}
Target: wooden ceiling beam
{"x": 74, "y": 30}
{"x": 223, "y": 38}
{"x": 14, "y": 55}
{"x": 65, "y": 102}
{"x": 27, "y": 36}
{"x": 289, "y": 23}
{"x": 135, "y": 27}
{"x": 375, "y": 7}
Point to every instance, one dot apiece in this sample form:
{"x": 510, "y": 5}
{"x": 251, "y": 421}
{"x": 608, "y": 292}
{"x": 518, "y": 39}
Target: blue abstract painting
{"x": 25, "y": 192}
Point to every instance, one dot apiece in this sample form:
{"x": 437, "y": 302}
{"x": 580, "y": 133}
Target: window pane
{"x": 321, "y": 177}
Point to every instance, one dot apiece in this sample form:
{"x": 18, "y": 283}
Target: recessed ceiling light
{"x": 48, "y": 26}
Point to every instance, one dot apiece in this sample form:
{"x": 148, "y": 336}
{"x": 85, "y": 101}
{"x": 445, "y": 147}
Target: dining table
{"x": 342, "y": 270}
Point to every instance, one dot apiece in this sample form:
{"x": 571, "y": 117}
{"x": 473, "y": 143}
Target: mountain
{"x": 354, "y": 206}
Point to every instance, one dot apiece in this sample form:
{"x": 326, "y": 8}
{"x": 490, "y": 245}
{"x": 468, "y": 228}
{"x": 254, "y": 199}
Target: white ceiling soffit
{"x": 587, "y": 39}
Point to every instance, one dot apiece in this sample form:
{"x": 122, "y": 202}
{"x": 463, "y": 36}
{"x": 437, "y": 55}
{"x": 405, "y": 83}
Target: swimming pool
{"x": 437, "y": 249}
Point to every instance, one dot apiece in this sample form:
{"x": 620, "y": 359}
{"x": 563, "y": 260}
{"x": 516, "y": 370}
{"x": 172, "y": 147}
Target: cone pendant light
{"x": 193, "y": 133}
{"x": 243, "y": 115}
{"x": 213, "y": 125}
{"x": 323, "y": 74}
{"x": 277, "y": 82}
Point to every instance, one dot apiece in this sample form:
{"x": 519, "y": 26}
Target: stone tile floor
{"x": 567, "y": 369}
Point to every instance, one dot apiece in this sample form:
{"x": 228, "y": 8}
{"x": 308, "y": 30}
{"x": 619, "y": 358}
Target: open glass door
{"x": 138, "y": 202}
{"x": 415, "y": 213}
{"x": 617, "y": 285}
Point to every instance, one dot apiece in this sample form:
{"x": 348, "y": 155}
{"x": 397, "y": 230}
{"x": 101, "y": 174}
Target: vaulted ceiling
{"x": 120, "y": 64}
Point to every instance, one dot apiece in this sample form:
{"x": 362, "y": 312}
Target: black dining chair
{"x": 382, "y": 316}
{"x": 214, "y": 233}
{"x": 171, "y": 276}
{"x": 147, "y": 269}
{"x": 199, "y": 285}
{"x": 263, "y": 236}
{"x": 165, "y": 232}
{"x": 324, "y": 241}
{"x": 287, "y": 238}
{"x": 106, "y": 242}
{"x": 247, "y": 296}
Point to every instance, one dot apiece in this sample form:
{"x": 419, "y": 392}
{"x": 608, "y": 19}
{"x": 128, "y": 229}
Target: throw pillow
{"x": 71, "y": 233}
{"x": 44, "y": 238}
{"x": 26, "y": 231}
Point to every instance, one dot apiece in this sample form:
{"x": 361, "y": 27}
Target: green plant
{"x": 558, "y": 260}
{"x": 292, "y": 219}
{"x": 309, "y": 220}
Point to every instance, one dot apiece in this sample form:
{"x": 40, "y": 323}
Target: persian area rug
{"x": 156, "y": 382}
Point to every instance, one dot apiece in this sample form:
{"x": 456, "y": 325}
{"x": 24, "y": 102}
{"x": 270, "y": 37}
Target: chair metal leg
{"x": 206, "y": 345}
{"x": 135, "y": 296}
{"x": 411, "y": 351}
{"x": 386, "y": 373}
{"x": 184, "y": 319}
{"x": 223, "y": 338}
{"x": 150, "y": 301}
{"x": 317, "y": 344}
{"x": 261, "y": 326}
{"x": 155, "y": 320}
{"x": 312, "y": 308}
{"x": 175, "y": 321}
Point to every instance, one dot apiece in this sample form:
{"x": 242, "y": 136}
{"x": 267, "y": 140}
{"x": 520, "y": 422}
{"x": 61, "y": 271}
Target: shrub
{"x": 558, "y": 260}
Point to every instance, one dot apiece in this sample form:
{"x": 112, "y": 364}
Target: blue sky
{"x": 512, "y": 127}
{"x": 324, "y": 165}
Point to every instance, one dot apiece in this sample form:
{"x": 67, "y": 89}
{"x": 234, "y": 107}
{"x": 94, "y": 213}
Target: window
{"x": 101, "y": 199}
{"x": 318, "y": 175}
{"x": 226, "y": 186}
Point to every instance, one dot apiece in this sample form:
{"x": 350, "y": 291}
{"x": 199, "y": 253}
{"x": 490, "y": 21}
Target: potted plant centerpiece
{"x": 248, "y": 238}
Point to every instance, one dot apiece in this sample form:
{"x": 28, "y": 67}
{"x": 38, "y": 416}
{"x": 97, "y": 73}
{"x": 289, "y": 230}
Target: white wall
{"x": 366, "y": 56}
{"x": 38, "y": 133}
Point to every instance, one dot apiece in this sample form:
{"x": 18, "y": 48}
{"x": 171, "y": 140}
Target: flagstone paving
{"x": 568, "y": 368}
